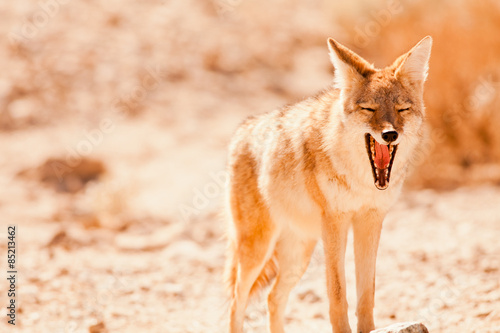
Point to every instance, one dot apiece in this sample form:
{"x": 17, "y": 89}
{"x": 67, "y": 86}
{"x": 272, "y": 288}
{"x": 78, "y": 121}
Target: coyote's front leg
{"x": 334, "y": 234}
{"x": 367, "y": 226}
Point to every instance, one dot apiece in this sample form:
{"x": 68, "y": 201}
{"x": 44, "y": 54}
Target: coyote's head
{"x": 385, "y": 106}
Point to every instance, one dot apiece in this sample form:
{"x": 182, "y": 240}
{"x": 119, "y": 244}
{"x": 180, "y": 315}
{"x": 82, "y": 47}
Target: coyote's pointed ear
{"x": 350, "y": 68}
{"x": 414, "y": 65}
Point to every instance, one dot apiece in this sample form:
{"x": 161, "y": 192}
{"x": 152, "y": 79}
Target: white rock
{"x": 403, "y": 328}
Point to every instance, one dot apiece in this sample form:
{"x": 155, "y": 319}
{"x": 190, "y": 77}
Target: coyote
{"x": 314, "y": 169}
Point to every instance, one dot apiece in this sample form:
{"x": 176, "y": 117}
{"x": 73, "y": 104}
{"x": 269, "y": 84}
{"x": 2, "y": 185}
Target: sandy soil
{"x": 148, "y": 94}
{"x": 82, "y": 264}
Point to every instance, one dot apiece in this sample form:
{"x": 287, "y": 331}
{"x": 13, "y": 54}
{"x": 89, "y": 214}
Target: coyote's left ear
{"x": 414, "y": 65}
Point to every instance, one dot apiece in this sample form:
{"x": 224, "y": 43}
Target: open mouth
{"x": 381, "y": 159}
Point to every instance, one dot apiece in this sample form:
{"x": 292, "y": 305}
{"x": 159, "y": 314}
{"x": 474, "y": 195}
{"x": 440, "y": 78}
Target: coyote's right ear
{"x": 350, "y": 68}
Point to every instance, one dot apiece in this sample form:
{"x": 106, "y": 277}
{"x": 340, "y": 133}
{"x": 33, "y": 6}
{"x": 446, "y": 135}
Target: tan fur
{"x": 303, "y": 173}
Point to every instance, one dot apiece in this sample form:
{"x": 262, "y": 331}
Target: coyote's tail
{"x": 266, "y": 276}
{"x": 231, "y": 269}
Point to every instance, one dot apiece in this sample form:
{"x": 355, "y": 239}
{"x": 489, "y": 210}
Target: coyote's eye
{"x": 403, "y": 110}
{"x": 368, "y": 109}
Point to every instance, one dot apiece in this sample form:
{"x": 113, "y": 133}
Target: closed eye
{"x": 403, "y": 110}
{"x": 368, "y": 109}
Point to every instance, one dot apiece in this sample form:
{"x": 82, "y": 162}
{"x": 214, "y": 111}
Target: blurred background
{"x": 114, "y": 123}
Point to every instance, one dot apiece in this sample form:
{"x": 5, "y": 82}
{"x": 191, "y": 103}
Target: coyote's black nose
{"x": 390, "y": 136}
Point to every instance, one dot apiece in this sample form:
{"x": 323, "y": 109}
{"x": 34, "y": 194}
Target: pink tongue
{"x": 381, "y": 155}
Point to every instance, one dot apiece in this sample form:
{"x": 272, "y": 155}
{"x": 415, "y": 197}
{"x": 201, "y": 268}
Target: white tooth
{"x": 386, "y": 172}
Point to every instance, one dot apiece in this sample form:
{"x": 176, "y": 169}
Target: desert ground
{"x": 114, "y": 125}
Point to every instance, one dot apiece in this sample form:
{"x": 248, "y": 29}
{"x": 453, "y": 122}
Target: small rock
{"x": 67, "y": 241}
{"x": 154, "y": 241}
{"x": 98, "y": 328}
{"x": 66, "y": 175}
{"x": 309, "y": 296}
{"x": 403, "y": 328}
{"x": 318, "y": 316}
{"x": 174, "y": 289}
